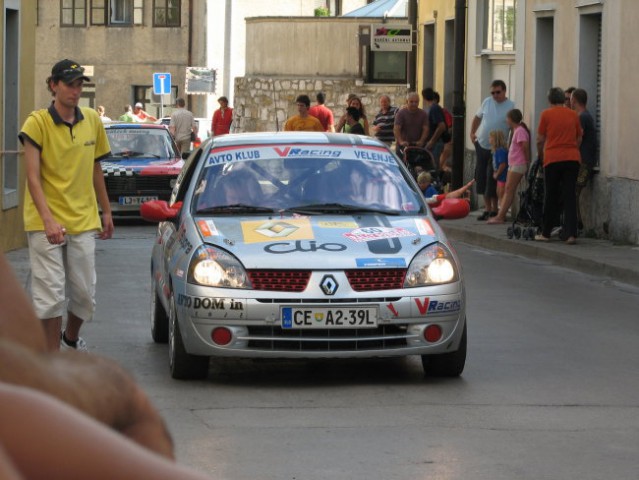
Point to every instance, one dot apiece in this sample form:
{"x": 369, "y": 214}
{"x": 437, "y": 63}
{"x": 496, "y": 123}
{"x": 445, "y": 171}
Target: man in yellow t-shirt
{"x": 303, "y": 121}
{"x": 62, "y": 148}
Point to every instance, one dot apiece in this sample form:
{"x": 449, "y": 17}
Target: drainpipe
{"x": 412, "y": 56}
{"x": 459, "y": 106}
{"x": 228, "y": 18}
{"x": 189, "y": 59}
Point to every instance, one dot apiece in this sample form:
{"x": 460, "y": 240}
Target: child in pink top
{"x": 518, "y": 160}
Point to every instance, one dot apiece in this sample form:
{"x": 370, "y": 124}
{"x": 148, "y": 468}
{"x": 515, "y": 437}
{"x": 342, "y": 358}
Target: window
{"x": 166, "y": 13}
{"x": 387, "y": 67}
{"x": 117, "y": 12}
{"x": 73, "y": 13}
{"x": 10, "y": 78}
{"x": 501, "y": 25}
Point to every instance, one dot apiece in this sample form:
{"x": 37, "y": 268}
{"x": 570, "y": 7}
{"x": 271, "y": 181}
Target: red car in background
{"x": 143, "y": 165}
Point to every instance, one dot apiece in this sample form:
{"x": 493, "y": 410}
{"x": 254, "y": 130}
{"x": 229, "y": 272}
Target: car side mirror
{"x": 452, "y": 209}
{"x": 186, "y": 155}
{"x": 159, "y": 210}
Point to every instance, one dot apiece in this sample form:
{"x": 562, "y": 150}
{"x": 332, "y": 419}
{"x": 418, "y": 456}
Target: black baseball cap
{"x": 68, "y": 71}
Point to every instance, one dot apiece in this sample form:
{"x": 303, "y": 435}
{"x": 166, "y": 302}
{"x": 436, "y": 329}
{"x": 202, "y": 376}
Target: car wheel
{"x": 183, "y": 365}
{"x": 159, "y": 318}
{"x": 447, "y": 364}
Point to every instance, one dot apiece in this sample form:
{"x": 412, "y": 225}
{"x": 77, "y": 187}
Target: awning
{"x": 382, "y": 9}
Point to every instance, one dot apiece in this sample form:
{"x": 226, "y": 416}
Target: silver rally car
{"x": 302, "y": 245}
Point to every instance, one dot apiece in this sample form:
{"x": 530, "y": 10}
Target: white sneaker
{"x": 80, "y": 346}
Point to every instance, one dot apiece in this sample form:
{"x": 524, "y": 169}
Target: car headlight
{"x": 434, "y": 265}
{"x": 214, "y": 267}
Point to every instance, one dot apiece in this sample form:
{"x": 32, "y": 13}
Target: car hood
{"x": 141, "y": 165}
{"x": 320, "y": 241}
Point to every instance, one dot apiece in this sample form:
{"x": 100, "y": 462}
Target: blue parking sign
{"x": 161, "y": 83}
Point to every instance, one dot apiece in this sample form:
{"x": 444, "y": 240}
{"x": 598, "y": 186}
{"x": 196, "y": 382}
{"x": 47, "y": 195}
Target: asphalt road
{"x": 550, "y": 390}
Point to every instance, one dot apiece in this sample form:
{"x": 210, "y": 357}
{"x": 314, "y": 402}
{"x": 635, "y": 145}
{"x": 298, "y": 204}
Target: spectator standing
{"x": 127, "y": 116}
{"x": 567, "y": 97}
{"x": 222, "y": 118}
{"x": 352, "y": 120}
{"x": 518, "y": 161}
{"x": 411, "y": 125}
{"x": 384, "y": 121}
{"x": 354, "y": 101}
{"x": 322, "y": 113}
{"x": 62, "y": 148}
{"x": 588, "y": 147}
{"x": 500, "y": 163}
{"x": 437, "y": 129}
{"x": 445, "y": 162}
{"x": 182, "y": 125}
{"x": 490, "y": 116}
{"x": 139, "y": 115}
{"x": 101, "y": 112}
{"x": 558, "y": 136}
{"x": 303, "y": 121}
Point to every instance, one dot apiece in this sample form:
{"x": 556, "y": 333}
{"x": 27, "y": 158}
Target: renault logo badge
{"x": 329, "y": 285}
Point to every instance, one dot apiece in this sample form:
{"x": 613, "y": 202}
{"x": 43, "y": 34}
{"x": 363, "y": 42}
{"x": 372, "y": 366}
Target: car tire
{"x": 183, "y": 366}
{"x": 447, "y": 364}
{"x": 159, "y": 318}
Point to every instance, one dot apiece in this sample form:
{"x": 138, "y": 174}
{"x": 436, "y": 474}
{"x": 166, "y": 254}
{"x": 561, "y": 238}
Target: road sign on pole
{"x": 161, "y": 83}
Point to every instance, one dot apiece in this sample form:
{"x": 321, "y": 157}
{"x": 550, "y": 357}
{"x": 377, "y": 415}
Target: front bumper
{"x": 257, "y": 332}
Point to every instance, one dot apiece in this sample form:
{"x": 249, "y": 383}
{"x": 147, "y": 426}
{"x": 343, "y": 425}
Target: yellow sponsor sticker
{"x": 337, "y": 224}
{"x": 273, "y": 230}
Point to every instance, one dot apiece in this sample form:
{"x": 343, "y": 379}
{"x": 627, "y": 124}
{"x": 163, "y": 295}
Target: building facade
{"x": 122, "y": 43}
{"x": 17, "y": 48}
{"x": 312, "y": 54}
{"x": 226, "y": 42}
{"x": 534, "y": 45}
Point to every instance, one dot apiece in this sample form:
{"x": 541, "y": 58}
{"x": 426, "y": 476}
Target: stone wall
{"x": 262, "y": 104}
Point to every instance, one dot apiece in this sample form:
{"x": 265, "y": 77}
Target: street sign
{"x": 391, "y": 38}
{"x": 161, "y": 83}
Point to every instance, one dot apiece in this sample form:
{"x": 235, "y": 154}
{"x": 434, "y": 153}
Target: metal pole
{"x": 459, "y": 105}
{"x": 412, "y": 57}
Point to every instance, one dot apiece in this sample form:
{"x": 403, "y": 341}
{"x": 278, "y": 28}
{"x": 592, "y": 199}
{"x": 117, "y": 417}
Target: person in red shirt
{"x": 558, "y": 137}
{"x": 222, "y": 118}
{"x": 322, "y": 113}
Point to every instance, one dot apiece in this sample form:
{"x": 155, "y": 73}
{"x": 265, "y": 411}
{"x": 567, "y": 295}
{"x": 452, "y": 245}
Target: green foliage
{"x": 322, "y": 12}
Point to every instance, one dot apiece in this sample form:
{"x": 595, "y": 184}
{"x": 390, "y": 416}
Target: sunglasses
{"x": 496, "y": 92}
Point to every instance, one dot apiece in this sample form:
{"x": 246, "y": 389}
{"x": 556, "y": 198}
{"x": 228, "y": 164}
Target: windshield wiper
{"x": 340, "y": 207}
{"x": 236, "y": 208}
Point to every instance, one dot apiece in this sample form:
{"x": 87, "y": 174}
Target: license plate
{"x": 321, "y": 317}
{"x": 135, "y": 200}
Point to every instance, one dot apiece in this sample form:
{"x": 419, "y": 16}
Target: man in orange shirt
{"x": 303, "y": 121}
{"x": 558, "y": 137}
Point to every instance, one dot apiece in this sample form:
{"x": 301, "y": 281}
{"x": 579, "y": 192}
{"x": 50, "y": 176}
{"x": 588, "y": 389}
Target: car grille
{"x": 140, "y": 185}
{"x": 275, "y": 338}
{"x": 378, "y": 279}
{"x": 280, "y": 280}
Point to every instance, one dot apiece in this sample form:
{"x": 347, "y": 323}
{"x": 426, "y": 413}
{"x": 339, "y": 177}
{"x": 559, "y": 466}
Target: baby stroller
{"x": 419, "y": 160}
{"x": 528, "y": 221}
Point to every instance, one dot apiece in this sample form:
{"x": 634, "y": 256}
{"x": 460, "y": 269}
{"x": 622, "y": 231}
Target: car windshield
{"x": 140, "y": 142}
{"x": 308, "y": 181}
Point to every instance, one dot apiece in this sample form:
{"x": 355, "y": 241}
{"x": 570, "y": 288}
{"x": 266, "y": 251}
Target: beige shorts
{"x": 521, "y": 169}
{"x": 63, "y": 272}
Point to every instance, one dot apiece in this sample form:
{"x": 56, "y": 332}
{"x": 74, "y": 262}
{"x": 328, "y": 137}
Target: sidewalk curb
{"x": 573, "y": 257}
